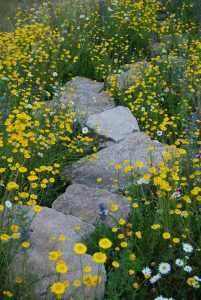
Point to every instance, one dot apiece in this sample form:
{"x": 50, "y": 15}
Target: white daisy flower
{"x": 187, "y": 247}
{"x": 155, "y": 278}
{"x": 179, "y": 262}
{"x": 197, "y": 278}
{"x": 55, "y": 74}
{"x": 85, "y": 130}
{"x": 8, "y": 204}
{"x": 188, "y": 269}
{"x": 146, "y": 271}
{"x": 159, "y": 133}
{"x": 164, "y": 268}
{"x": 163, "y": 298}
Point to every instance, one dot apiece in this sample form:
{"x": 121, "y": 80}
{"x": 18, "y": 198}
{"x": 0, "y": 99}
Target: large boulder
{"x": 113, "y": 124}
{"x": 133, "y": 148}
{"x": 50, "y": 224}
{"x": 85, "y": 96}
{"x": 133, "y": 73}
{"x": 83, "y": 202}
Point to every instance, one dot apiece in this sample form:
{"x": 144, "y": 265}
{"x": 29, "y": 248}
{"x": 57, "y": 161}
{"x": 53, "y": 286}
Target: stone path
{"x": 79, "y": 205}
{"x": 93, "y": 181}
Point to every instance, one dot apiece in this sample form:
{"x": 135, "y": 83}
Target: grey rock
{"x": 173, "y": 60}
{"x": 133, "y": 148}
{"x": 134, "y": 72}
{"x": 83, "y": 202}
{"x": 51, "y": 223}
{"x": 170, "y": 39}
{"x": 85, "y": 96}
{"x": 44, "y": 275}
{"x": 158, "y": 48}
{"x": 113, "y": 124}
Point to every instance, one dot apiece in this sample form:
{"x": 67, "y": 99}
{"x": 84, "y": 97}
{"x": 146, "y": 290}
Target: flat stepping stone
{"x": 85, "y": 96}
{"x": 134, "y": 73}
{"x": 83, "y": 202}
{"x": 51, "y": 223}
{"x": 133, "y": 148}
{"x": 113, "y": 124}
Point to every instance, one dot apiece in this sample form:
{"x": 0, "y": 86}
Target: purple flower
{"x": 103, "y": 212}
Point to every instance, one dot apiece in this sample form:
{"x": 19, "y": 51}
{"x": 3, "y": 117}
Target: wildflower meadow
{"x": 100, "y": 151}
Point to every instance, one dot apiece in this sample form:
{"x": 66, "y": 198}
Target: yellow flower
{"x": 105, "y": 243}
{"x": 12, "y": 185}
{"x": 77, "y": 283}
{"x": 4, "y": 237}
{"x": 131, "y": 272}
{"x": 18, "y": 280}
{"x": 135, "y": 205}
{"x": 61, "y": 267}
{"x": 96, "y": 279}
{"x": 25, "y": 244}
{"x": 62, "y": 238}
{"x": 87, "y": 280}
{"x": 80, "y": 248}
{"x": 1, "y": 207}
{"x": 195, "y": 190}
{"x": 114, "y": 207}
{"x": 139, "y": 164}
{"x": 99, "y": 257}
{"x": 191, "y": 281}
{"x": 176, "y": 240}
{"x": 115, "y": 264}
{"x": 66, "y": 283}
{"x": 155, "y": 226}
{"x": 135, "y": 285}
{"x": 114, "y": 229}
{"x": 166, "y": 235}
{"x": 14, "y": 228}
{"x": 37, "y": 208}
{"x": 54, "y": 255}
{"x": 138, "y": 234}
{"x": 58, "y": 288}
{"x": 22, "y": 169}
{"x": 8, "y": 294}
{"x": 132, "y": 256}
{"x": 99, "y": 180}
{"x": 87, "y": 269}
{"x": 122, "y": 222}
{"x": 128, "y": 169}
{"x": 124, "y": 244}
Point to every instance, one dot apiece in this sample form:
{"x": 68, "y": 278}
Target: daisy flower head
{"x": 187, "y": 247}
{"x": 163, "y": 298}
{"x": 85, "y": 130}
{"x": 188, "y": 269}
{"x": 179, "y": 262}
{"x": 164, "y": 268}
{"x": 155, "y": 278}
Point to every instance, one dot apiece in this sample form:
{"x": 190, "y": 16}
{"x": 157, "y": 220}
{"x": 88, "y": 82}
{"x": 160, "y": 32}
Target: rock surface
{"x": 85, "y": 96}
{"x": 40, "y": 265}
{"x": 113, "y": 124}
{"x": 134, "y": 73}
{"x": 51, "y": 223}
{"x": 133, "y": 148}
{"x": 83, "y": 202}
{"x": 158, "y": 48}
